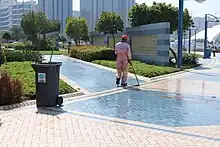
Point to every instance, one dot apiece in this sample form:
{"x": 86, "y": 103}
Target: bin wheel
{"x": 59, "y": 101}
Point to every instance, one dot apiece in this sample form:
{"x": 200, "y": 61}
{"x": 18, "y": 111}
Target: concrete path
{"x": 124, "y": 117}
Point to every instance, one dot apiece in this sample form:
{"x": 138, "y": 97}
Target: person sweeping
{"x": 123, "y": 52}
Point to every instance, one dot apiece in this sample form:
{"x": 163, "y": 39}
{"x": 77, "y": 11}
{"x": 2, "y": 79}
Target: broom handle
{"x": 135, "y": 74}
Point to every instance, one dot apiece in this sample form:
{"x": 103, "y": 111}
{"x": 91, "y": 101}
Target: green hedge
{"x": 142, "y": 69}
{"x": 46, "y": 44}
{"x": 90, "y": 53}
{"x": 25, "y": 55}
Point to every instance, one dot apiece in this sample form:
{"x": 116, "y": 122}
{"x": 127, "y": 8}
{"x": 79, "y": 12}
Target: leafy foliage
{"x": 6, "y": 36}
{"x": 24, "y": 55}
{"x": 35, "y": 24}
{"x": 30, "y": 24}
{"x": 90, "y": 53}
{"x": 142, "y": 69}
{"x": 23, "y": 72}
{"x": 189, "y": 58}
{"x": 77, "y": 28}
{"x": 17, "y": 33}
{"x": 141, "y": 14}
{"x": 109, "y": 23}
{"x": 47, "y": 44}
{"x": 10, "y": 89}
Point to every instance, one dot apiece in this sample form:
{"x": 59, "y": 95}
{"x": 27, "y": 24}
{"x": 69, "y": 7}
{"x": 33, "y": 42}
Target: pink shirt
{"x": 122, "y": 49}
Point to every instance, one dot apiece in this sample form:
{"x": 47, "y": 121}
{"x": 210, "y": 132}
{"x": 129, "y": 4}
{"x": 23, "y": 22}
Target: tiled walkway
{"x": 49, "y": 128}
{"x": 74, "y": 127}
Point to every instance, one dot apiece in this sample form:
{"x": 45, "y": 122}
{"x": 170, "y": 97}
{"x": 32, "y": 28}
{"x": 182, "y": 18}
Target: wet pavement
{"x": 202, "y": 81}
{"x": 181, "y": 111}
{"x": 176, "y": 101}
{"x": 154, "y": 107}
{"x": 91, "y": 78}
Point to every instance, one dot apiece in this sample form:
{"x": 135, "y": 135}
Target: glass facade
{"x": 92, "y": 9}
{"x": 12, "y": 11}
{"x": 57, "y": 10}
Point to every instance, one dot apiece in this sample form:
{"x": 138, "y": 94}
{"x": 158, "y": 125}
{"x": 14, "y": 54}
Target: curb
{"x": 73, "y": 84}
{"x": 33, "y": 102}
{"x": 19, "y": 105}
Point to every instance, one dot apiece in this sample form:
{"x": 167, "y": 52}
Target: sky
{"x": 195, "y": 8}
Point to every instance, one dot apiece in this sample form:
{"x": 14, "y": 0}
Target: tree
{"x": 30, "y": 24}
{"x": 17, "y": 33}
{"x": 36, "y": 24}
{"x": 187, "y": 19}
{"x": 77, "y": 28}
{"x": 84, "y": 30}
{"x": 6, "y": 36}
{"x": 53, "y": 26}
{"x": 141, "y": 14}
{"x": 109, "y": 23}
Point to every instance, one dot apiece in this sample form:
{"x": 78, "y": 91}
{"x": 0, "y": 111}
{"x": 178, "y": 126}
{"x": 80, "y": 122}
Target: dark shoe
{"x": 117, "y": 81}
{"x": 123, "y": 85}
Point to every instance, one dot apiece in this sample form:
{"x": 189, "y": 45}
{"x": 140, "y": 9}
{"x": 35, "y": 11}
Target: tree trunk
{"x": 76, "y": 42}
{"x": 113, "y": 36}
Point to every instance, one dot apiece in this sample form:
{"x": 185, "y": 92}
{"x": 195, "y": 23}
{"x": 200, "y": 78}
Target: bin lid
{"x": 46, "y": 64}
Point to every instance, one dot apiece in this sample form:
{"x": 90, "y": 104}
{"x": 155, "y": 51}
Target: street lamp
{"x": 184, "y": 40}
{"x": 180, "y": 30}
{"x": 180, "y": 33}
{"x": 206, "y": 55}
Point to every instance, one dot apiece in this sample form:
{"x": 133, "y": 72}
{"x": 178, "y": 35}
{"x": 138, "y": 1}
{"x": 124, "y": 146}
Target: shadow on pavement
{"x": 201, "y": 68}
{"x": 49, "y": 111}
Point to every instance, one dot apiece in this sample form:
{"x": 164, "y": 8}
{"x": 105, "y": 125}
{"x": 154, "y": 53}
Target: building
{"x": 57, "y": 10}
{"x": 76, "y": 13}
{"x": 92, "y": 9}
{"x": 11, "y": 12}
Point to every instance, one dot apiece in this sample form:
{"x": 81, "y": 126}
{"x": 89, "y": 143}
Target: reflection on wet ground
{"x": 91, "y": 78}
{"x": 190, "y": 100}
{"x": 155, "y": 107}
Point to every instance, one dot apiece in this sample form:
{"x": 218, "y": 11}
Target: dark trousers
{"x": 213, "y": 53}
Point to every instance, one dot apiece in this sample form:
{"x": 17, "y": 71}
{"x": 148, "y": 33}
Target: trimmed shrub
{"x": 90, "y": 53}
{"x": 10, "y": 89}
{"x": 141, "y": 68}
{"x": 46, "y": 44}
{"x": 24, "y": 46}
{"x": 189, "y": 58}
{"x": 25, "y": 55}
{"x": 20, "y": 46}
